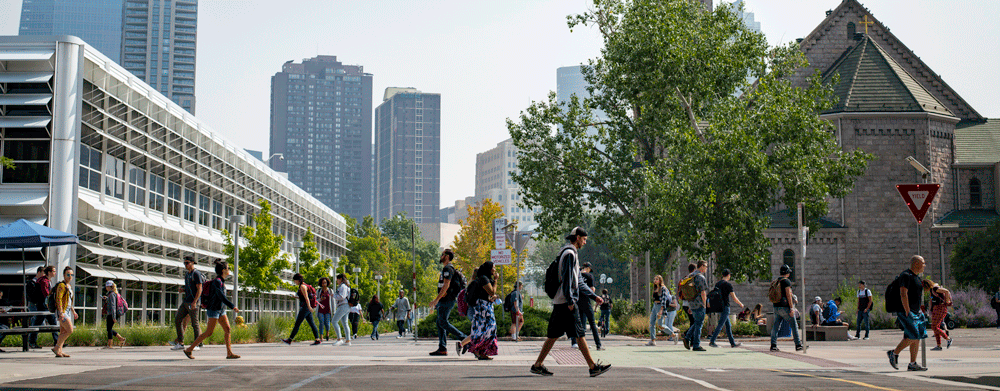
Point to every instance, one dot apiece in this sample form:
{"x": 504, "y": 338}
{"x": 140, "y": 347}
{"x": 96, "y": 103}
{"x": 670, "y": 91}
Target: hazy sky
{"x": 490, "y": 59}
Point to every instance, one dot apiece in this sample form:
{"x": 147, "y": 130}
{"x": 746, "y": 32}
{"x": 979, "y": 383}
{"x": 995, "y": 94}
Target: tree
{"x": 261, "y": 261}
{"x": 311, "y": 266}
{"x": 682, "y": 161}
{"x": 974, "y": 259}
{"x": 370, "y": 251}
{"x": 6, "y": 162}
{"x": 475, "y": 240}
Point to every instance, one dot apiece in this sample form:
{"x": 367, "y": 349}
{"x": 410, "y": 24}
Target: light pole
{"x": 297, "y": 245}
{"x": 236, "y": 221}
{"x": 378, "y": 281}
{"x": 357, "y": 272}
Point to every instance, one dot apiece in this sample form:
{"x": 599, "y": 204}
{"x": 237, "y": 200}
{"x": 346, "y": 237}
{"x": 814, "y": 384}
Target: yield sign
{"x": 918, "y": 198}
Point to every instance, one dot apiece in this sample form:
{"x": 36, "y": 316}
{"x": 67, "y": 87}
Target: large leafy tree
{"x": 261, "y": 261}
{"x": 370, "y": 251}
{"x": 404, "y": 237}
{"x": 311, "y": 266}
{"x": 690, "y": 155}
{"x": 475, "y": 240}
{"x": 974, "y": 259}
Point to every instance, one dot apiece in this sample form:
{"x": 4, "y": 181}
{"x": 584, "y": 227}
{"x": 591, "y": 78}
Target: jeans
{"x": 38, "y": 321}
{"x": 183, "y": 311}
{"x": 654, "y": 313}
{"x": 697, "y": 322}
{"x": 375, "y": 328}
{"x": 668, "y": 320}
{"x": 443, "y": 326}
{"x": 401, "y": 326}
{"x": 324, "y": 322}
{"x": 724, "y": 321}
{"x": 587, "y": 311}
{"x": 785, "y": 314}
{"x": 340, "y": 319}
{"x": 605, "y": 320}
{"x": 304, "y": 314}
{"x": 864, "y": 319}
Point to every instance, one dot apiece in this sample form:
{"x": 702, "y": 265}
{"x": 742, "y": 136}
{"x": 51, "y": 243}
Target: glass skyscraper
{"x": 158, "y": 45}
{"x": 97, "y": 22}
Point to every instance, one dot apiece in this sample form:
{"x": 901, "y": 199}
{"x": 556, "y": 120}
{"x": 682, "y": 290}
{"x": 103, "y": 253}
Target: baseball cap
{"x": 576, "y": 231}
{"x": 785, "y": 269}
{"x": 818, "y": 299}
{"x": 109, "y": 283}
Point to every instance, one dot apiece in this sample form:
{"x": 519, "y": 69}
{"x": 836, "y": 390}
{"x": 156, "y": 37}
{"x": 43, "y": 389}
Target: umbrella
{"x": 23, "y": 233}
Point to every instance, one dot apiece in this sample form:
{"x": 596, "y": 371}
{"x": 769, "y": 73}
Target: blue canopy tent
{"x": 25, "y": 234}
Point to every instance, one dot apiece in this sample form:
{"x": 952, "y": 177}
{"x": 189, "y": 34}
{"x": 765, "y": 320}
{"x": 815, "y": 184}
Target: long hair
{"x": 374, "y": 299}
{"x": 486, "y": 269}
{"x": 114, "y": 287}
{"x": 658, "y": 284}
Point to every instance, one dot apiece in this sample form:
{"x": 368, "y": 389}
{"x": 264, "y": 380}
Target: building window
{"x": 204, "y": 205}
{"x": 851, "y": 30}
{"x": 114, "y": 177}
{"x": 156, "y": 189}
{"x": 137, "y": 185}
{"x": 29, "y": 149}
{"x": 90, "y": 168}
{"x": 975, "y": 193}
{"x": 190, "y": 205}
{"x": 174, "y": 199}
{"x": 788, "y": 258}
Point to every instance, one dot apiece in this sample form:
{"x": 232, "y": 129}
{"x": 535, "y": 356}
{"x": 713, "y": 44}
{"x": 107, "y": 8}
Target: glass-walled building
{"x": 98, "y": 22}
{"x": 101, "y": 154}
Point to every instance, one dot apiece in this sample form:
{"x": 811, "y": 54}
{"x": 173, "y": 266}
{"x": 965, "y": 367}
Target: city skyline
{"x": 460, "y": 66}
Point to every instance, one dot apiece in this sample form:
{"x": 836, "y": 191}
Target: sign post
{"x": 918, "y": 198}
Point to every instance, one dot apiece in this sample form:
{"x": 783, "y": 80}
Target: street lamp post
{"x": 297, "y": 245}
{"x": 357, "y": 272}
{"x": 378, "y": 281}
{"x": 236, "y": 221}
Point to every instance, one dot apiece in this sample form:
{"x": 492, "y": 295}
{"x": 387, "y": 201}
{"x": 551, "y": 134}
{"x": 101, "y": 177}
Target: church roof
{"x": 977, "y": 142}
{"x": 871, "y": 81}
{"x": 969, "y": 218}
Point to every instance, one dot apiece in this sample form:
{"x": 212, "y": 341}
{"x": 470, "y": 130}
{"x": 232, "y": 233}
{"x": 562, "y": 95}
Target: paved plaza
{"x": 390, "y": 363}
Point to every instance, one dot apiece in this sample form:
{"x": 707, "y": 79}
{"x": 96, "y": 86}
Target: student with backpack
{"x": 780, "y": 294}
{"x": 727, "y": 295}
{"x": 61, "y": 300}
{"x": 341, "y": 296}
{"x": 401, "y": 310}
{"x": 39, "y": 290}
{"x": 375, "y": 311}
{"x": 685, "y": 302}
{"x": 865, "y": 303}
{"x": 904, "y": 296}
{"x": 699, "y": 303}
{"x": 449, "y": 284}
{"x": 324, "y": 309}
{"x": 940, "y": 301}
{"x": 114, "y": 309}
{"x": 307, "y": 304}
{"x": 659, "y": 296}
{"x": 514, "y": 304}
{"x": 213, "y": 300}
{"x": 606, "y": 313}
{"x": 191, "y": 304}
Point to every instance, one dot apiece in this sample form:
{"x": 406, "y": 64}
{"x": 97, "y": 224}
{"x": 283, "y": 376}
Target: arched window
{"x": 975, "y": 193}
{"x": 788, "y": 257}
{"x": 851, "y": 29}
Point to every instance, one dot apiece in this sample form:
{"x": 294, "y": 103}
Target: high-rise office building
{"x": 408, "y": 155}
{"x": 97, "y": 22}
{"x": 494, "y": 181}
{"x": 321, "y": 122}
{"x": 158, "y": 45}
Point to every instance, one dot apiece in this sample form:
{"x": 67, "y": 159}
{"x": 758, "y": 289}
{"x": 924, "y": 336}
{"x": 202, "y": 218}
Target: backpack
{"x": 354, "y": 297}
{"x": 774, "y": 292}
{"x": 715, "y": 303}
{"x": 686, "y": 288}
{"x": 827, "y": 312}
{"x": 893, "y": 303}
{"x": 206, "y": 292}
{"x": 508, "y": 302}
{"x": 311, "y": 294}
{"x": 457, "y": 283}
{"x": 552, "y": 278}
{"x": 461, "y": 304}
{"x": 34, "y": 291}
{"x": 122, "y": 306}
{"x": 50, "y": 302}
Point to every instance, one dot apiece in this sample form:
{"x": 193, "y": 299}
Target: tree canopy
{"x": 974, "y": 259}
{"x": 260, "y": 259}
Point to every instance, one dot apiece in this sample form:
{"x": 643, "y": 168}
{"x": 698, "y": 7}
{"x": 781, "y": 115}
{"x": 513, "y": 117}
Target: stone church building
{"x": 892, "y": 105}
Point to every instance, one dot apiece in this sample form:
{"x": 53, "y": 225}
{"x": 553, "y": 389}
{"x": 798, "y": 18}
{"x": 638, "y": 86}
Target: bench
{"x": 826, "y": 333}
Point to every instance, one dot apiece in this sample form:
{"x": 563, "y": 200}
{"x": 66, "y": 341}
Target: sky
{"x": 489, "y": 59}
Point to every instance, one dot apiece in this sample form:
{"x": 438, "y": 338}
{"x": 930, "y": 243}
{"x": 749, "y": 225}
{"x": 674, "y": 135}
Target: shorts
{"x": 910, "y": 330}
{"x": 566, "y": 321}
{"x": 514, "y": 316}
{"x": 215, "y": 314}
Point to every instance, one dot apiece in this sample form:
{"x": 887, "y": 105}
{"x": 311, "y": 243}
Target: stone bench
{"x": 826, "y": 333}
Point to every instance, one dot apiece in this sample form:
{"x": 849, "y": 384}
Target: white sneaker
{"x": 196, "y": 348}
{"x": 348, "y": 343}
{"x": 339, "y": 342}
{"x": 177, "y": 346}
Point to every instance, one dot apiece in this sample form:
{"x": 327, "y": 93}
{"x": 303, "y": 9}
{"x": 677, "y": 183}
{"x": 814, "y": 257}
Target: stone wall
{"x": 986, "y": 186}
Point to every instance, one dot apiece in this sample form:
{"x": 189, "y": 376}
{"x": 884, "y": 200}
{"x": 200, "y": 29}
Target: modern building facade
{"x": 159, "y": 44}
{"x": 142, "y": 182}
{"x": 408, "y": 155}
{"x": 494, "y": 181}
{"x": 98, "y": 22}
{"x": 321, "y": 122}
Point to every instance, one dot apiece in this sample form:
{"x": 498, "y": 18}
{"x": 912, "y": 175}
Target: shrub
{"x": 635, "y": 325}
{"x": 972, "y": 307}
{"x": 267, "y": 329}
{"x": 746, "y": 328}
{"x": 624, "y": 309}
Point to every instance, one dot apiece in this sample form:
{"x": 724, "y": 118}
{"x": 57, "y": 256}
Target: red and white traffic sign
{"x": 918, "y": 198}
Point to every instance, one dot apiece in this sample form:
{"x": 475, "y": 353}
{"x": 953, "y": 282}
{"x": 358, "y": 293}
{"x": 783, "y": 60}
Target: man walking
{"x": 911, "y": 295}
{"x": 783, "y": 310}
{"x": 698, "y": 303}
{"x": 402, "y": 313}
{"x": 565, "y": 317}
{"x": 606, "y": 313}
{"x": 865, "y": 303}
{"x": 686, "y": 301}
{"x": 726, "y": 288}
{"x": 516, "y": 312}
{"x": 190, "y": 305}
{"x": 449, "y": 284}
{"x": 38, "y": 290}
{"x": 586, "y": 308}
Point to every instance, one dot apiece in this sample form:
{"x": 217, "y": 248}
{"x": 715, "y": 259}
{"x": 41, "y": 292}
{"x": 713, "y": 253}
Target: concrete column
{"x": 67, "y": 106}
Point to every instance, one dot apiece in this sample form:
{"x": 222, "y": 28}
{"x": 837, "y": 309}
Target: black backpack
{"x": 50, "y": 302}
{"x": 552, "y": 278}
{"x": 354, "y": 297}
{"x": 508, "y": 302}
{"x": 893, "y": 303}
{"x": 34, "y": 290}
{"x": 457, "y": 284}
{"x": 715, "y": 303}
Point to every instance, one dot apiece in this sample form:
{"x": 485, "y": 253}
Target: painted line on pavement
{"x": 314, "y": 378}
{"x": 700, "y": 382}
{"x": 857, "y": 383}
{"x": 142, "y": 379}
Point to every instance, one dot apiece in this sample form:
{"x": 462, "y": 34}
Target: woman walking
{"x": 305, "y": 311}
{"x": 940, "y": 301}
{"x": 355, "y": 318}
{"x": 375, "y": 315}
{"x": 484, "y": 322}
{"x": 657, "y": 310}
{"x": 342, "y": 294}
{"x": 216, "y": 297}
{"x": 325, "y": 301}
{"x": 65, "y": 314}
{"x": 111, "y": 311}
{"x": 670, "y": 306}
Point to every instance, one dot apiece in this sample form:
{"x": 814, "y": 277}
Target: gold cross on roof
{"x": 866, "y": 23}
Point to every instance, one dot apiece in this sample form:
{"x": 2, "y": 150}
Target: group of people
{"x": 45, "y": 296}
{"x": 692, "y": 298}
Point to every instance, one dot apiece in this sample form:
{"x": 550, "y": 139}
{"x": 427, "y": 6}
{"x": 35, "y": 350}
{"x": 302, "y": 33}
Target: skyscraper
{"x": 494, "y": 181}
{"x": 408, "y": 155}
{"x": 321, "y": 122}
{"x": 158, "y": 45}
{"x": 97, "y": 22}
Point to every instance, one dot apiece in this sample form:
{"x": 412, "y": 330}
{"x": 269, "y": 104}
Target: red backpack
{"x": 206, "y": 292}
{"x": 312, "y": 295}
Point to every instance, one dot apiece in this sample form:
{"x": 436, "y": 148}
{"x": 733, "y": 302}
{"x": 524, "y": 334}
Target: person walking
{"x": 586, "y": 307}
{"x": 354, "y": 317}
{"x": 670, "y": 307}
{"x": 305, "y": 311}
{"x": 43, "y": 288}
{"x": 659, "y": 292}
{"x": 449, "y": 284}
{"x": 190, "y": 304}
{"x": 402, "y": 311}
{"x": 908, "y": 313}
{"x": 324, "y": 303}
{"x": 606, "y": 313}
{"x": 484, "y": 323}
{"x": 215, "y": 299}
{"x": 374, "y": 315}
{"x": 516, "y": 312}
{"x": 940, "y": 301}
{"x": 64, "y": 310}
{"x": 728, "y": 296}
{"x": 686, "y": 301}
{"x": 865, "y": 303}
{"x": 565, "y": 317}
{"x": 340, "y": 297}
{"x": 699, "y": 303}
{"x": 111, "y": 309}
{"x": 783, "y": 309}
